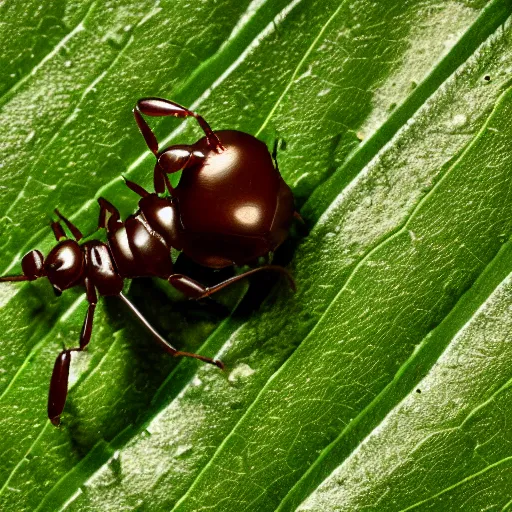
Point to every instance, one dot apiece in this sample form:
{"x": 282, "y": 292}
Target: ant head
{"x": 64, "y": 265}
{"x": 32, "y": 265}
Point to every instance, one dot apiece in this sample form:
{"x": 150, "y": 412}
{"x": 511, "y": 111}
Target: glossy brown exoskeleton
{"x": 230, "y": 208}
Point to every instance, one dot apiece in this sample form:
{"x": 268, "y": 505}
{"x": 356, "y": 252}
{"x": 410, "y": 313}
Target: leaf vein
{"x": 459, "y": 483}
{"x": 298, "y": 68}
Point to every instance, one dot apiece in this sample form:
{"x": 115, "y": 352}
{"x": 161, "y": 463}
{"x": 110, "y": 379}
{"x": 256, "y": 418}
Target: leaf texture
{"x": 395, "y": 122}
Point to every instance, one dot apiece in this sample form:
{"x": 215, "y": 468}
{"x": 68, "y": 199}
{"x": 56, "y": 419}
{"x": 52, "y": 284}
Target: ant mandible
{"x": 230, "y": 207}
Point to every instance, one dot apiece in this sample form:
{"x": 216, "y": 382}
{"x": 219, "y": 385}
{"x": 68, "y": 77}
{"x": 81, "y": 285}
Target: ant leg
{"x": 60, "y": 375}
{"x": 135, "y": 187}
{"x": 298, "y": 216}
{"x": 8, "y": 279}
{"x": 159, "y": 107}
{"x": 194, "y": 290}
{"x": 162, "y": 341}
{"x": 77, "y": 234}
{"x": 274, "y": 153}
{"x": 58, "y": 231}
{"x": 104, "y": 221}
{"x": 302, "y": 227}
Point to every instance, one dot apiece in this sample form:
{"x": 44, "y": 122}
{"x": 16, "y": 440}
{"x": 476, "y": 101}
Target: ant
{"x": 230, "y": 207}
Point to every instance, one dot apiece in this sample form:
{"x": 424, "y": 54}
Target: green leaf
{"x": 448, "y": 438}
{"x": 395, "y": 119}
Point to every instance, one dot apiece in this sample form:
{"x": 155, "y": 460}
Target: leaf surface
{"x": 405, "y": 222}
